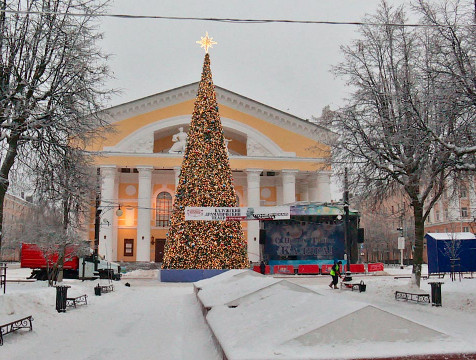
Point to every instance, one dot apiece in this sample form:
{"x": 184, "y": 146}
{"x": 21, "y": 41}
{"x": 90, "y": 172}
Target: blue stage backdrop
{"x": 304, "y": 240}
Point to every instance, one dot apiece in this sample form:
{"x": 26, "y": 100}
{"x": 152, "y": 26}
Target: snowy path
{"x": 145, "y": 321}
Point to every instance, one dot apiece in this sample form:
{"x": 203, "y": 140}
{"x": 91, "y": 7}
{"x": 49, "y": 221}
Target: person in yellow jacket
{"x": 335, "y": 272}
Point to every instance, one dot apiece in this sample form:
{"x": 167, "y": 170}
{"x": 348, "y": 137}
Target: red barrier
{"x": 308, "y": 269}
{"x": 356, "y": 268}
{"x": 283, "y": 269}
{"x": 325, "y": 269}
{"x": 375, "y": 267}
{"x": 258, "y": 269}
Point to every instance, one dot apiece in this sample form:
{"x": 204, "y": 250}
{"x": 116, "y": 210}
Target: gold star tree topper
{"x": 206, "y": 42}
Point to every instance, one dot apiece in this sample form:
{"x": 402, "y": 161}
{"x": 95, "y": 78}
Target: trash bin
{"x": 436, "y": 292}
{"x": 347, "y": 276}
{"x": 61, "y": 295}
{"x": 97, "y": 290}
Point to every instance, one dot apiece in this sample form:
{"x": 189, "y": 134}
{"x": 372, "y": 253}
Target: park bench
{"x": 419, "y": 298}
{"x": 24, "y": 323}
{"x": 78, "y": 300}
{"x": 354, "y": 285}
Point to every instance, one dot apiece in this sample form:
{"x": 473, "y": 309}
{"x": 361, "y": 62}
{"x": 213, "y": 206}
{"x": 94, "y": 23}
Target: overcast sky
{"x": 286, "y": 66}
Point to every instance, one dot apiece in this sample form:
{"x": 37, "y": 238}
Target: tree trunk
{"x": 4, "y": 183}
{"x": 419, "y": 234}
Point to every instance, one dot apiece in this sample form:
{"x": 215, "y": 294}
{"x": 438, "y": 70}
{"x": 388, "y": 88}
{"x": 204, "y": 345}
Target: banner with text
{"x": 237, "y": 213}
{"x": 304, "y": 240}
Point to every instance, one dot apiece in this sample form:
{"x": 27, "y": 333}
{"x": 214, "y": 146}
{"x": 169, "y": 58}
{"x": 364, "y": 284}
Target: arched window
{"x": 163, "y": 209}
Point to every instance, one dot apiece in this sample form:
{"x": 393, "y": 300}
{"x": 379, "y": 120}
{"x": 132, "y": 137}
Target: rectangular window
{"x": 128, "y": 247}
{"x": 437, "y": 215}
{"x": 464, "y": 212}
{"x": 465, "y": 228}
{"x": 463, "y": 192}
{"x": 446, "y": 214}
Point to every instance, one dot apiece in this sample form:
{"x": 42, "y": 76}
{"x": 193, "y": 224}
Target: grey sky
{"x": 286, "y": 66}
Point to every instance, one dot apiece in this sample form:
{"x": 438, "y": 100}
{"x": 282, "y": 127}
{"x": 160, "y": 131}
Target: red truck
{"x": 83, "y": 268}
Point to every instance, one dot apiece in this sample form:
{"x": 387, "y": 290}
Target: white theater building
{"x": 276, "y": 158}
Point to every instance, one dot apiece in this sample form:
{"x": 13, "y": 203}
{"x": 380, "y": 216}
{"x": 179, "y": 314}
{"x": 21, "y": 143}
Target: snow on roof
{"x": 453, "y": 236}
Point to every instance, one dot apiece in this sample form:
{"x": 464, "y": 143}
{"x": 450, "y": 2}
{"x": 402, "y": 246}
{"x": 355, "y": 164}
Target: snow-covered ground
{"x": 153, "y": 320}
{"x": 147, "y": 320}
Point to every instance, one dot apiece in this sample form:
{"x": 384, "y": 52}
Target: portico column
{"x": 177, "y": 176}
{"x": 143, "y": 213}
{"x": 289, "y": 186}
{"x": 253, "y": 177}
{"x": 324, "y": 186}
{"x": 304, "y": 190}
{"x": 313, "y": 189}
{"x": 108, "y": 201}
{"x": 320, "y": 187}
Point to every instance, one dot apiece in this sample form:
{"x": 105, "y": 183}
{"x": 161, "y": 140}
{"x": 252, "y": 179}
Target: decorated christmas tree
{"x": 205, "y": 181}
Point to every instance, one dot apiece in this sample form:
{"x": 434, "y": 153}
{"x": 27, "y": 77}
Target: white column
{"x": 253, "y": 177}
{"x": 144, "y": 213}
{"x": 324, "y": 186}
{"x": 313, "y": 188}
{"x": 289, "y": 186}
{"x": 108, "y": 201}
{"x": 304, "y": 190}
{"x": 177, "y": 174}
{"x": 279, "y": 191}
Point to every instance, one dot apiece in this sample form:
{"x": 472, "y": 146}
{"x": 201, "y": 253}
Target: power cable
{"x": 227, "y": 20}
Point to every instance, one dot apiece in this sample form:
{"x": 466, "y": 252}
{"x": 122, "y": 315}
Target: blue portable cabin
{"x": 442, "y": 247}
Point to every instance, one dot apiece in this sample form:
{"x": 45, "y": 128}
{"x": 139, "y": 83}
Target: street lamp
{"x": 401, "y": 245}
{"x": 346, "y": 218}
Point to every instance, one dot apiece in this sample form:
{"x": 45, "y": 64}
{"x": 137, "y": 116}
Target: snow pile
{"x": 224, "y": 288}
{"x": 141, "y": 274}
{"x": 287, "y": 321}
{"x": 146, "y": 321}
{"x": 255, "y": 317}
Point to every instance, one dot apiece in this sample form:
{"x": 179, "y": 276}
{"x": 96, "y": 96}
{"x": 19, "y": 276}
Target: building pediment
{"x": 225, "y": 98}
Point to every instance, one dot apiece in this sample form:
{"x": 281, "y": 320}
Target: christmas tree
{"x": 205, "y": 180}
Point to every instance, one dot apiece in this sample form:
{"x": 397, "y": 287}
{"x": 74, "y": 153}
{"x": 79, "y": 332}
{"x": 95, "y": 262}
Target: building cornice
{"x": 224, "y": 97}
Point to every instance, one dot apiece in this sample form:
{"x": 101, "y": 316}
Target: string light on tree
{"x": 205, "y": 180}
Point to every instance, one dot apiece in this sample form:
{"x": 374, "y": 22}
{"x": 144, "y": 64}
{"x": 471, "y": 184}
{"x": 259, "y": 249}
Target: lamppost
{"x": 401, "y": 245}
{"x": 346, "y": 218}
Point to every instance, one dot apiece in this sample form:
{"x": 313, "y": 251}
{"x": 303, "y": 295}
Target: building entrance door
{"x": 159, "y": 250}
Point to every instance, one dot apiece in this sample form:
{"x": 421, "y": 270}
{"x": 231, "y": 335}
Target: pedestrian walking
{"x": 335, "y": 273}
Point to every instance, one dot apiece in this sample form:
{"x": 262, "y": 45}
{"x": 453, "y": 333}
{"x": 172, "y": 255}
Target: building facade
{"x": 276, "y": 158}
{"x": 15, "y": 209}
{"x": 455, "y": 211}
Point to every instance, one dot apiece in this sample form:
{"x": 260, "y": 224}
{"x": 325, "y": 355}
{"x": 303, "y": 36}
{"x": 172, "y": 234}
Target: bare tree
{"x": 57, "y": 244}
{"x": 451, "y": 54}
{"x": 63, "y": 180}
{"x": 381, "y": 134}
{"x": 452, "y": 250}
{"x": 51, "y": 77}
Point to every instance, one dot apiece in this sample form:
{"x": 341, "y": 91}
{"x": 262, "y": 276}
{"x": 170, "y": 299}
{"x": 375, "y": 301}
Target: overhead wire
{"x": 228, "y": 20}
